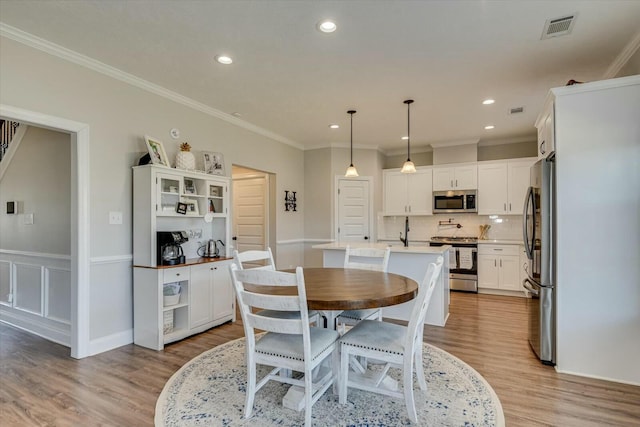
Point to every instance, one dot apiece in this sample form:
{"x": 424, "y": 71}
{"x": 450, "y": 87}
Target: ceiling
{"x": 292, "y": 81}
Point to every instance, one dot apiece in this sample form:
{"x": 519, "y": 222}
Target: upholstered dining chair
{"x": 263, "y": 260}
{"x": 398, "y": 345}
{"x": 376, "y": 259}
{"x": 289, "y": 343}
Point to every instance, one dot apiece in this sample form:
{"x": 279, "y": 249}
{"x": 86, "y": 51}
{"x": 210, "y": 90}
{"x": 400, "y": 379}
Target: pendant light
{"x": 408, "y": 166}
{"x": 351, "y": 170}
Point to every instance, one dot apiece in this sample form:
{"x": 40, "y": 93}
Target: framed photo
{"x": 181, "y": 208}
{"x": 156, "y": 151}
{"x": 189, "y": 186}
{"x": 213, "y": 163}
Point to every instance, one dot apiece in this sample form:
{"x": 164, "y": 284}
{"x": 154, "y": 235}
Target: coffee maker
{"x": 169, "y": 249}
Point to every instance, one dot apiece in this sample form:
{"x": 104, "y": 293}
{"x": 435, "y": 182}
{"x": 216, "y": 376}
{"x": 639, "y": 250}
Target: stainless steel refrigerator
{"x": 539, "y": 241}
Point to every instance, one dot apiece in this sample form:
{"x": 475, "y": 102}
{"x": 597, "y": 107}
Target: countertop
{"x": 189, "y": 262}
{"x": 500, "y": 242}
{"x": 480, "y": 242}
{"x": 412, "y": 249}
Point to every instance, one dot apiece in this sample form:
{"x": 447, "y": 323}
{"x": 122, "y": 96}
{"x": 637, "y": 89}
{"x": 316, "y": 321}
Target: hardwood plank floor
{"x": 40, "y": 385}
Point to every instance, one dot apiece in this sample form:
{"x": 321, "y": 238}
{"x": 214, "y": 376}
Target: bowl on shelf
{"x": 171, "y": 299}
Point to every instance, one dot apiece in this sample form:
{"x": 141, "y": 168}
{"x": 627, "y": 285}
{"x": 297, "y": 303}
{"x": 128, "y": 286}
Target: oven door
{"x": 448, "y": 203}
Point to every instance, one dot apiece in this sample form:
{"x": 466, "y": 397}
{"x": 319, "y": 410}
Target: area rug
{"x": 210, "y": 391}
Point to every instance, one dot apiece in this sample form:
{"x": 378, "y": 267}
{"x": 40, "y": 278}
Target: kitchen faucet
{"x": 405, "y": 241}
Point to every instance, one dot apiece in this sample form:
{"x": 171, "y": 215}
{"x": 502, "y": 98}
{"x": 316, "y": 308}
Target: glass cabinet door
{"x": 168, "y": 195}
{"x": 216, "y": 198}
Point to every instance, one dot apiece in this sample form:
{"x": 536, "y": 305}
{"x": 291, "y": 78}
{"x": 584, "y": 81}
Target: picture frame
{"x": 189, "y": 186}
{"x": 181, "y": 208}
{"x": 213, "y": 163}
{"x": 156, "y": 151}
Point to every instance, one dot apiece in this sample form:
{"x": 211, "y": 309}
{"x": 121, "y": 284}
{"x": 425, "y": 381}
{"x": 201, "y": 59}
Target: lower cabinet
{"x": 499, "y": 267}
{"x": 206, "y": 300}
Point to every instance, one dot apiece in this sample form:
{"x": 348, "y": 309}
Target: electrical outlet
{"x": 27, "y": 219}
{"x": 115, "y": 218}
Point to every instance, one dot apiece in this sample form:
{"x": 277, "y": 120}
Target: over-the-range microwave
{"x": 454, "y": 201}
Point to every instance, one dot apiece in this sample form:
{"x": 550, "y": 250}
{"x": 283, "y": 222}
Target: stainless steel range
{"x": 463, "y": 261}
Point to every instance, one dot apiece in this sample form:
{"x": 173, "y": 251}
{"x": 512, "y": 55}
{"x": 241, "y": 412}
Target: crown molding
{"x": 622, "y": 59}
{"x": 115, "y": 73}
{"x": 504, "y": 141}
{"x": 454, "y": 143}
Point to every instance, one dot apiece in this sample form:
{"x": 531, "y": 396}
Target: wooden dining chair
{"x": 398, "y": 346}
{"x": 289, "y": 343}
{"x": 375, "y": 259}
{"x": 263, "y": 260}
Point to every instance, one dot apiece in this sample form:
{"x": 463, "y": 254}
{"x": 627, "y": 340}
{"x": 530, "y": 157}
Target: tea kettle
{"x": 211, "y": 249}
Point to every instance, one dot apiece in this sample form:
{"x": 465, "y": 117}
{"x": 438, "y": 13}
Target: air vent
{"x": 559, "y": 26}
{"x": 516, "y": 110}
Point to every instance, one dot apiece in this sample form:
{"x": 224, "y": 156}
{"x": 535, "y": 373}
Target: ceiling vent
{"x": 516, "y": 110}
{"x": 559, "y": 26}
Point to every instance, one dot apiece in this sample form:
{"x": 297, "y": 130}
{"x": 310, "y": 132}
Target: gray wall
{"x": 118, "y": 115}
{"x": 39, "y": 178}
{"x": 508, "y": 151}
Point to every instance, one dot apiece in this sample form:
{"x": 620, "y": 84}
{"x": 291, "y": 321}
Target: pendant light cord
{"x": 408, "y": 102}
{"x": 351, "y": 113}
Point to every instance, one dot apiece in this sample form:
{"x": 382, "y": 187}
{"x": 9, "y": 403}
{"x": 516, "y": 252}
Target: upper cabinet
{"x": 546, "y": 132}
{"x": 455, "y": 177}
{"x": 407, "y": 193}
{"x": 166, "y": 199}
{"x": 502, "y": 186}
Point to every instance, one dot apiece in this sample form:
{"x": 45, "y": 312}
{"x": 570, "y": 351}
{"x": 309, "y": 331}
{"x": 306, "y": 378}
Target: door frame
{"x": 80, "y": 225}
{"x": 336, "y": 203}
{"x": 267, "y": 204}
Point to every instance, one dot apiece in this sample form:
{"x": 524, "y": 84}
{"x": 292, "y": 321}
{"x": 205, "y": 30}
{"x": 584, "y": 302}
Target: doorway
{"x": 253, "y": 220}
{"x": 80, "y": 242}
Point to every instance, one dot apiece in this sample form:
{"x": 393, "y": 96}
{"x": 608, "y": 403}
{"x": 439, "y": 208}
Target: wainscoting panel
{"x": 5, "y": 282}
{"x": 28, "y": 288}
{"x": 58, "y": 295}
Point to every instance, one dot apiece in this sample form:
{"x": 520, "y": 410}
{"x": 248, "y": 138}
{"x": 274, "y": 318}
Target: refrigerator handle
{"x": 529, "y": 199}
{"x": 526, "y": 283}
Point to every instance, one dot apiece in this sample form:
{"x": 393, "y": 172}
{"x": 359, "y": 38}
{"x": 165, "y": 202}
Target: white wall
{"x": 119, "y": 115}
{"x": 598, "y": 231}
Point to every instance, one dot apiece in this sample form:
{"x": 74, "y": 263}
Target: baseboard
{"x": 110, "y": 342}
{"x": 597, "y": 377}
{"x": 59, "y": 335}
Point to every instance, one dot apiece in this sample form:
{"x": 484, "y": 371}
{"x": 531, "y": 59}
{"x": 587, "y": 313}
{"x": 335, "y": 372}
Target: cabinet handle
{"x": 500, "y": 263}
{"x": 495, "y": 262}
{"x": 505, "y": 207}
{"x": 456, "y": 183}
{"x": 177, "y": 274}
{"x": 497, "y": 249}
{"x": 542, "y": 149}
{"x": 509, "y": 207}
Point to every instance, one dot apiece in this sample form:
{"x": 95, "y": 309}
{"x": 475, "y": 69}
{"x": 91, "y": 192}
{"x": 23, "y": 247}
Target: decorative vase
{"x": 185, "y": 158}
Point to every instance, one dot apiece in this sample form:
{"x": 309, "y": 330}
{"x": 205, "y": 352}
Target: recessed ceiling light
{"x": 334, "y": 126}
{"x": 404, "y": 138}
{"x": 489, "y": 127}
{"x": 327, "y": 26}
{"x": 488, "y": 101}
{"x": 236, "y": 114}
{"x": 224, "y": 59}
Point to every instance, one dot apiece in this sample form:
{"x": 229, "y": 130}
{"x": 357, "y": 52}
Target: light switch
{"x": 27, "y": 219}
{"x": 115, "y": 218}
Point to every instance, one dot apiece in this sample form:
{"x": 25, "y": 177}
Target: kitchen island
{"x": 411, "y": 262}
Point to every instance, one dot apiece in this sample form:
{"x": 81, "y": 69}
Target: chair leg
{"x": 408, "y": 391}
{"x": 419, "y": 368}
{"x": 251, "y": 387}
{"x": 344, "y": 374}
{"x": 335, "y": 370}
{"x": 308, "y": 397}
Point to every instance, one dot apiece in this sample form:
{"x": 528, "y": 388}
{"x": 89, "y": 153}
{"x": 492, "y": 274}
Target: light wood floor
{"x": 40, "y": 385}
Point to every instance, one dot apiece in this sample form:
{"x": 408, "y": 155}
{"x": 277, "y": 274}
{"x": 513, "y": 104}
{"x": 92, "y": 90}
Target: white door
{"x": 353, "y": 214}
{"x": 250, "y": 213}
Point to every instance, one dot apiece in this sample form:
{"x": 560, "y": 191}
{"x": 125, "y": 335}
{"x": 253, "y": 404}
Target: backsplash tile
{"x": 421, "y": 228}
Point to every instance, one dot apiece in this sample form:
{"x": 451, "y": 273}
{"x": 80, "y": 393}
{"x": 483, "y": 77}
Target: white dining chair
{"x": 263, "y": 260}
{"x": 375, "y": 259}
{"x": 289, "y": 343}
{"x": 398, "y": 346}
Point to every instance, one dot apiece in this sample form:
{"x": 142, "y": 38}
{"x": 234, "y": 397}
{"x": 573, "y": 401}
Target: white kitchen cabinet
{"x": 502, "y": 186}
{"x": 499, "y": 267}
{"x": 458, "y": 177}
{"x": 407, "y": 193}
{"x": 206, "y": 300}
{"x": 217, "y": 295}
{"x": 546, "y": 132}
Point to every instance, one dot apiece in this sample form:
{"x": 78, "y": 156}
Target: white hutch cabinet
{"x": 206, "y": 296}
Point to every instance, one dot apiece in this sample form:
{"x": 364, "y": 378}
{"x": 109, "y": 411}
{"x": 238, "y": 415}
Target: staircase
{"x": 7, "y": 131}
